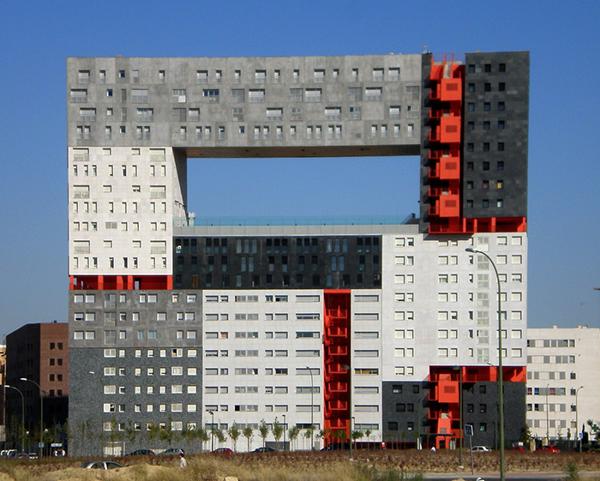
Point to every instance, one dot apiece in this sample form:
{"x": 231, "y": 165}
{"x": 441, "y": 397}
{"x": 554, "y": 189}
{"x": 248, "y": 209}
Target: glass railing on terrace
{"x": 207, "y": 221}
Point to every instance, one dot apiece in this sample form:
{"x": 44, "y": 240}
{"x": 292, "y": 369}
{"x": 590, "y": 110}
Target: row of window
{"x": 83, "y": 154}
{"x": 127, "y": 263}
{"x": 84, "y": 76}
{"x": 91, "y": 170}
{"x": 112, "y": 336}
{"x": 482, "y": 241}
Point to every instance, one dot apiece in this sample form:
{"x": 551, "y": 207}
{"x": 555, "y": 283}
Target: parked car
{"x": 549, "y": 449}
{"x": 142, "y": 452}
{"x": 172, "y": 452}
{"x": 480, "y": 449}
{"x": 265, "y": 449}
{"x": 224, "y": 452}
{"x": 101, "y": 465}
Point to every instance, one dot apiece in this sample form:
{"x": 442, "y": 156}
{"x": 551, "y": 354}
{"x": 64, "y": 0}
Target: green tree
{"x": 248, "y": 432}
{"x": 293, "y": 433}
{"x": 355, "y": 436}
{"x": 203, "y": 436}
{"x": 220, "y": 436}
{"x": 234, "y": 433}
{"x": 153, "y": 432}
{"x": 130, "y": 434}
{"x": 277, "y": 431}
{"x": 166, "y": 433}
{"x": 368, "y": 435}
{"x": 308, "y": 434}
{"x": 263, "y": 429}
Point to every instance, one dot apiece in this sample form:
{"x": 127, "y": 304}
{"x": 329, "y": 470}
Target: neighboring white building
{"x": 562, "y": 380}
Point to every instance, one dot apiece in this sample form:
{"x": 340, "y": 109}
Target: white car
{"x": 480, "y": 449}
{"x": 101, "y": 465}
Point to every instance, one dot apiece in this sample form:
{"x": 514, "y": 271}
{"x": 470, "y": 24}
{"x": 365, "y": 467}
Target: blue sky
{"x": 564, "y": 163}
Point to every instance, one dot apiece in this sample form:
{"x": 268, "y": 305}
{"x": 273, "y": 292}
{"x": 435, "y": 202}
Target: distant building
{"x": 562, "y": 380}
{"x": 39, "y": 352}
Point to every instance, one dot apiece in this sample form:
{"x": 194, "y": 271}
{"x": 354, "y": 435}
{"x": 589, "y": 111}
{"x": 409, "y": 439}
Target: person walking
{"x": 182, "y": 461}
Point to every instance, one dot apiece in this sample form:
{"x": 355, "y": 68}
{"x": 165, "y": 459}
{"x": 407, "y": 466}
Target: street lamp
{"x": 41, "y": 446}
{"x": 284, "y": 428}
{"x": 577, "y": 416}
{"x": 312, "y": 395}
{"x": 547, "y": 415}
{"x": 500, "y": 373}
{"x": 212, "y": 430}
{"x": 22, "y": 415}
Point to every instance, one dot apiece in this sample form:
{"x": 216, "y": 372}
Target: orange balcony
{"x": 448, "y": 205}
{"x": 336, "y": 369}
{"x": 450, "y": 126}
{"x": 448, "y": 168}
{"x": 450, "y": 89}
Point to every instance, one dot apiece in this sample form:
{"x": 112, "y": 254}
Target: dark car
{"x": 142, "y": 452}
{"x": 172, "y": 452}
{"x": 265, "y": 449}
{"x": 101, "y": 465}
{"x": 224, "y": 452}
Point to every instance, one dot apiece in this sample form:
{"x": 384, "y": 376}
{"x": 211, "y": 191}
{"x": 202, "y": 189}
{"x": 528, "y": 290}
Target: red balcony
{"x": 450, "y": 90}
{"x": 337, "y": 332}
{"x": 450, "y": 126}
{"x": 337, "y": 405}
{"x": 337, "y": 387}
{"x": 338, "y": 350}
{"x": 448, "y": 168}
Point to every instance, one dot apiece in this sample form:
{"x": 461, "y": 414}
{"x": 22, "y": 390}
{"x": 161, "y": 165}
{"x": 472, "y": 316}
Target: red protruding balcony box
{"x": 450, "y": 129}
{"x": 448, "y": 205}
{"x": 447, "y": 391}
{"x": 451, "y": 89}
{"x": 449, "y": 168}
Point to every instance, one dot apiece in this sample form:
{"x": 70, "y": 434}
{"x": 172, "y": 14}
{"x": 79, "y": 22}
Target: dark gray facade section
{"x": 139, "y": 349}
{"x": 87, "y": 400}
{"x": 495, "y": 134}
{"x": 406, "y": 405}
{"x": 315, "y": 262}
{"x": 424, "y": 163}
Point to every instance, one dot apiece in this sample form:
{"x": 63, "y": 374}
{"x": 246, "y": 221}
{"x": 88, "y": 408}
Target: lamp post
{"x": 284, "y": 428}
{"x": 212, "y": 430}
{"x": 577, "y": 416}
{"x": 312, "y": 407}
{"x": 547, "y": 415}
{"x": 22, "y": 415}
{"x": 41, "y": 446}
{"x": 500, "y": 373}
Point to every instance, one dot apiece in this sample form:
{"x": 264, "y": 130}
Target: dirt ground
{"x": 294, "y": 466}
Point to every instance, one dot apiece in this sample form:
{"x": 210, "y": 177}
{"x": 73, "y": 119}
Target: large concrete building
{"x": 310, "y": 323}
{"x": 562, "y": 381}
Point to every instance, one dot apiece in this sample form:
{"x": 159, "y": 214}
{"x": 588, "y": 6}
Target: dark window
{"x": 400, "y": 407}
{"x": 500, "y": 146}
{"x": 471, "y": 87}
{"x": 470, "y": 147}
{"x": 470, "y": 203}
{"x": 471, "y": 68}
{"x": 501, "y": 67}
{"x": 470, "y": 185}
{"x": 470, "y": 166}
{"x": 52, "y": 361}
{"x": 410, "y": 407}
{"x": 487, "y": 106}
{"x": 471, "y": 107}
{"x": 487, "y": 68}
{"x": 470, "y": 408}
{"x": 482, "y": 427}
{"x": 470, "y": 125}
{"x": 501, "y": 124}
{"x": 482, "y": 389}
{"x": 410, "y": 426}
{"x": 416, "y": 388}
{"x": 501, "y": 106}
{"x": 59, "y": 361}
{"x": 392, "y": 426}
{"x": 487, "y": 87}
{"x": 486, "y": 165}
{"x": 485, "y": 203}
{"x": 486, "y": 146}
{"x": 486, "y": 125}
{"x": 500, "y": 165}
{"x": 52, "y": 345}
{"x": 483, "y": 408}
{"x": 501, "y": 86}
